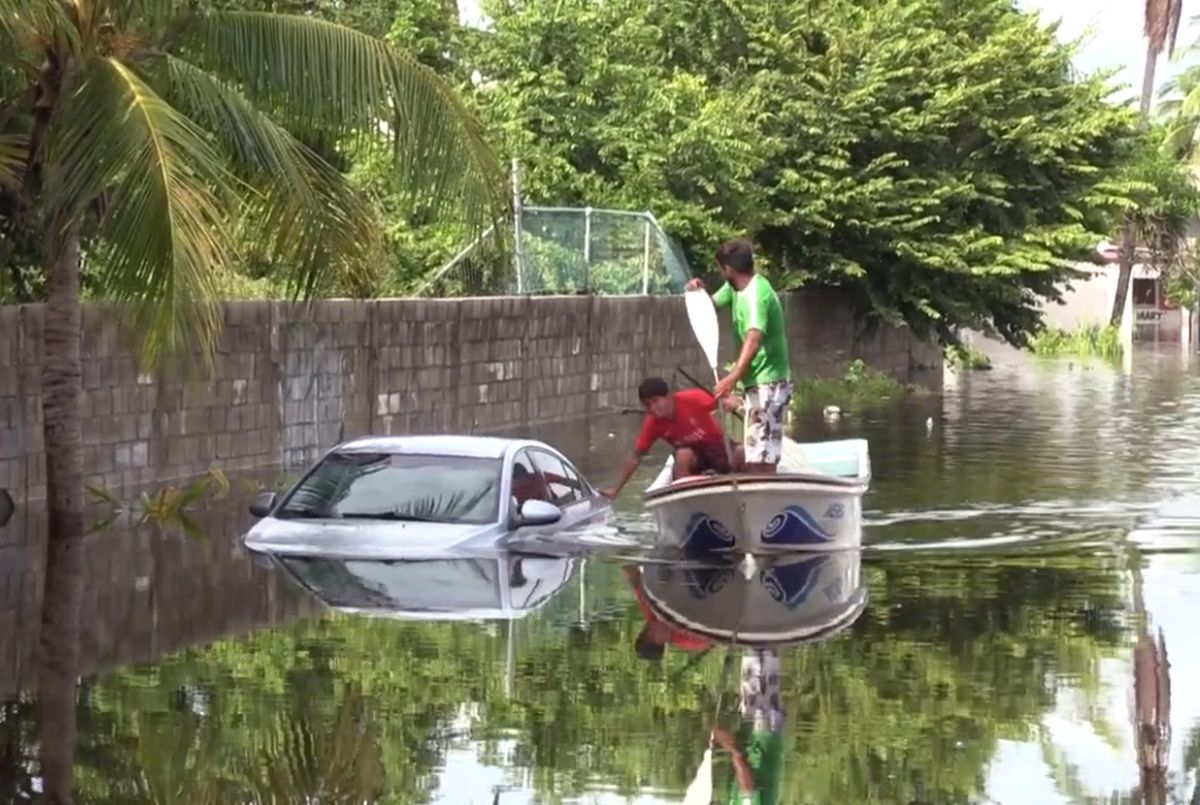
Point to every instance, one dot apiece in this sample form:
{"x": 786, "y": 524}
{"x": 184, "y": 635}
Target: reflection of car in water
{"x": 499, "y": 585}
{"x": 375, "y": 496}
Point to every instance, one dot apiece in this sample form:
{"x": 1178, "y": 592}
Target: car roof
{"x": 439, "y": 444}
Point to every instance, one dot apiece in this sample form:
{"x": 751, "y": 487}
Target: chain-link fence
{"x": 567, "y": 250}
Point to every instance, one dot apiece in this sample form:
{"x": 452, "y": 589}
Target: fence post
{"x": 646, "y": 261}
{"x": 587, "y": 250}
{"x": 518, "y": 257}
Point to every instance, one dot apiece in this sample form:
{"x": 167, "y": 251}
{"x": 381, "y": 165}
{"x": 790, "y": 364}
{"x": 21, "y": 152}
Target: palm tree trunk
{"x": 1148, "y": 80}
{"x": 62, "y": 392}
{"x": 1128, "y": 244}
{"x": 1124, "y": 273}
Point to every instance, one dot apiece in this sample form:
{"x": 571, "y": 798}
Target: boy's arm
{"x": 645, "y": 440}
{"x": 629, "y": 468}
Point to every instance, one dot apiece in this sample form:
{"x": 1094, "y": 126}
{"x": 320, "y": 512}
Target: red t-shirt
{"x": 679, "y": 637}
{"x": 693, "y": 422}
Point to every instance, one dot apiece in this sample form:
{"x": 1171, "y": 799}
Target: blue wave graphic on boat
{"x": 790, "y": 584}
{"x": 795, "y": 526}
{"x": 704, "y": 535}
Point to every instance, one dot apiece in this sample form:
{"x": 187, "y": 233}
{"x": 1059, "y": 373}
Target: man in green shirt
{"x": 757, "y": 749}
{"x": 763, "y": 365}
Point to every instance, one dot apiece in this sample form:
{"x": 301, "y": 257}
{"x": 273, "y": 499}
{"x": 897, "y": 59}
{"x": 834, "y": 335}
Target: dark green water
{"x": 1026, "y": 530}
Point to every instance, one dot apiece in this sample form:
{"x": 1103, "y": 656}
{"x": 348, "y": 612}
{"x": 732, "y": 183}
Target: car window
{"x": 527, "y": 481}
{"x": 562, "y": 482}
{"x": 443, "y": 489}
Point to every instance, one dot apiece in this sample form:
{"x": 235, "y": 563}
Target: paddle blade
{"x": 702, "y": 315}
{"x": 701, "y": 790}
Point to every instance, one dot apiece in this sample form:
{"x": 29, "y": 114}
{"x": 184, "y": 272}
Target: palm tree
{"x": 1161, "y": 29}
{"x": 136, "y": 132}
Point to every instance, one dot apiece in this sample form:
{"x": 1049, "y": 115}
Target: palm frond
{"x": 24, "y": 22}
{"x": 314, "y": 220}
{"x": 148, "y": 15}
{"x": 164, "y": 221}
{"x": 324, "y": 77}
{"x": 1179, "y": 138}
{"x": 12, "y": 158}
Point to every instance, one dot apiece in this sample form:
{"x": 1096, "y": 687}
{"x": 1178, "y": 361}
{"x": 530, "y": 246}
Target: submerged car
{"x": 387, "y": 496}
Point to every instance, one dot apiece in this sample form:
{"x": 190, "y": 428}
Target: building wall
{"x": 289, "y": 382}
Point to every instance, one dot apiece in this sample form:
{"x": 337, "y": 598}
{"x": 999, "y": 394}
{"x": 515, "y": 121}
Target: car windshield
{"x": 387, "y": 486}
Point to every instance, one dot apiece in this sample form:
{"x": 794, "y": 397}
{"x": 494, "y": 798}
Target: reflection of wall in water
{"x": 144, "y": 594}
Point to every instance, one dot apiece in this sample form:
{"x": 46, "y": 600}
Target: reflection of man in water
{"x": 757, "y": 749}
{"x": 651, "y": 642}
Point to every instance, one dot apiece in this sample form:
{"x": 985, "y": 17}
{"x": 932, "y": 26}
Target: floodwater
{"x": 1031, "y": 580}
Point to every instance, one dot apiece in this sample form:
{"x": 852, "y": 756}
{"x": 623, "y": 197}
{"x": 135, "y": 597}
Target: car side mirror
{"x": 539, "y": 512}
{"x": 7, "y": 507}
{"x": 263, "y": 504}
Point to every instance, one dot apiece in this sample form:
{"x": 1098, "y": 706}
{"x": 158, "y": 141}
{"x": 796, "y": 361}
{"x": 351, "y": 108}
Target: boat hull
{"x": 802, "y": 508}
{"x": 789, "y": 514}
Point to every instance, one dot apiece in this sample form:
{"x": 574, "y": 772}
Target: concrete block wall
{"x": 289, "y": 381}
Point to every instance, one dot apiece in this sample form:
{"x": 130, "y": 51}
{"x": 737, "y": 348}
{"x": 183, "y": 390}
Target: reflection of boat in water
{"x": 811, "y": 506}
{"x": 495, "y": 586}
{"x": 784, "y": 599}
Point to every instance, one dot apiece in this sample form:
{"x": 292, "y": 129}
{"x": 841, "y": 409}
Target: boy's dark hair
{"x": 653, "y": 387}
{"x": 737, "y": 255}
{"x": 646, "y": 648}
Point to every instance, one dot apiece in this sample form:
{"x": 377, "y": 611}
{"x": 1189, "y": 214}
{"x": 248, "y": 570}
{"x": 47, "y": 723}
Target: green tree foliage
{"x": 258, "y": 114}
{"x": 942, "y": 162}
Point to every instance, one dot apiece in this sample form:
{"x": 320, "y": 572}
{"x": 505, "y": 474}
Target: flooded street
{"x": 1031, "y": 579}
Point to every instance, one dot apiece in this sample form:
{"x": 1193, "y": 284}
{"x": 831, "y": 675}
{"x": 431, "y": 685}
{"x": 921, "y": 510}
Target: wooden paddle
{"x": 701, "y": 789}
{"x": 702, "y": 315}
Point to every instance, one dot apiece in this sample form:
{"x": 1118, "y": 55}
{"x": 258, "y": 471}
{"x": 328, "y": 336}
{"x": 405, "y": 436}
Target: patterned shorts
{"x": 766, "y": 418}
{"x": 760, "y": 700}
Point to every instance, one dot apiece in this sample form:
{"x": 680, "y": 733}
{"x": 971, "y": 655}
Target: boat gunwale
{"x": 725, "y": 482}
{"x": 754, "y": 639}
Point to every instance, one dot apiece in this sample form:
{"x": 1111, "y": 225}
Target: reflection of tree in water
{"x": 17, "y": 759}
{"x": 1191, "y": 760}
{"x": 328, "y": 486}
{"x": 906, "y": 706}
{"x": 1151, "y": 700}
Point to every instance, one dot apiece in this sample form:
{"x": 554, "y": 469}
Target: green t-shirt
{"x": 764, "y": 756}
{"x": 757, "y": 307}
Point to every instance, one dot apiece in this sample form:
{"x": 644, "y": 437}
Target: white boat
{"x": 783, "y": 600}
{"x": 813, "y": 503}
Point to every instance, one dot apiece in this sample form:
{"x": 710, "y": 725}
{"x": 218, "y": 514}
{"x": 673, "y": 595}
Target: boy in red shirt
{"x": 685, "y": 421}
{"x": 652, "y": 641}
